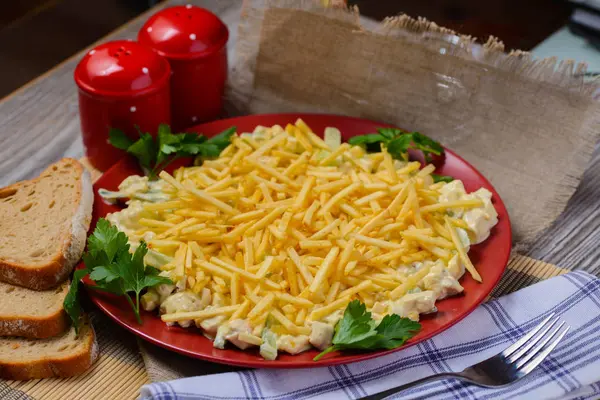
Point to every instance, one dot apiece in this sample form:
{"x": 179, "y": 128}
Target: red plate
{"x": 490, "y": 258}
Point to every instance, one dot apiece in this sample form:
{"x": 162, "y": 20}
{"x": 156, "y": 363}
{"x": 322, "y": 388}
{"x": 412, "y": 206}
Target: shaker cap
{"x": 184, "y": 32}
{"x": 121, "y": 68}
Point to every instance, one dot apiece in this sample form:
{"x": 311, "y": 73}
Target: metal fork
{"x": 505, "y": 367}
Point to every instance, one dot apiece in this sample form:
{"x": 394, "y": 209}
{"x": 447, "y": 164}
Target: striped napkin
{"x": 572, "y": 371}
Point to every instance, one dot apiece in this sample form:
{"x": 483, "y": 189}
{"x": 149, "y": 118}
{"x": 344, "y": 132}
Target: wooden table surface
{"x": 39, "y": 124}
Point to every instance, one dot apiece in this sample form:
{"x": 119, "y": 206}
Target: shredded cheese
{"x": 284, "y": 224}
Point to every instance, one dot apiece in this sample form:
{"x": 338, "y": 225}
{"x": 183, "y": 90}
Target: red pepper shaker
{"x": 122, "y": 84}
{"x": 194, "y": 41}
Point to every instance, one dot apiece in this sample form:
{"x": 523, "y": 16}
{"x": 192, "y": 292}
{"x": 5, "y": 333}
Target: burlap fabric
{"x": 528, "y": 126}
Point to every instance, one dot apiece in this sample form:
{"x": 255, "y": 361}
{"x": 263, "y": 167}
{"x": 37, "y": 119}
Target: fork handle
{"x": 389, "y": 392}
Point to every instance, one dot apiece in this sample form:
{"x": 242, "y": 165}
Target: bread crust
{"x": 63, "y": 367}
{"x": 52, "y": 322}
{"x": 35, "y": 328}
{"x": 49, "y": 275}
{"x": 43, "y": 277}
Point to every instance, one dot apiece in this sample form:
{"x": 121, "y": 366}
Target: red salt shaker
{"x": 122, "y": 84}
{"x": 194, "y": 41}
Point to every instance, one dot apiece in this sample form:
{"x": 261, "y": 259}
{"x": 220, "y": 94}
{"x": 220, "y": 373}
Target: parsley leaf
{"x": 144, "y": 150}
{"x": 398, "y": 143}
{"x": 441, "y": 178}
{"x": 113, "y": 269}
{"x": 71, "y": 301}
{"x": 215, "y": 145}
{"x": 119, "y": 139}
{"x": 155, "y": 154}
{"x": 107, "y": 239}
{"x": 358, "y": 331}
{"x": 165, "y": 143}
{"x": 426, "y": 144}
{"x": 222, "y": 139}
{"x": 131, "y": 274}
{"x": 104, "y": 273}
{"x": 355, "y": 326}
{"x": 389, "y": 133}
{"x": 152, "y": 279}
{"x": 398, "y": 147}
{"x": 191, "y": 144}
{"x": 367, "y": 139}
{"x": 393, "y": 331}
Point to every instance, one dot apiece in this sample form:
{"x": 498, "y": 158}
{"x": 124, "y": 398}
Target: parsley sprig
{"x": 114, "y": 269}
{"x": 398, "y": 142}
{"x": 155, "y": 154}
{"x": 358, "y": 331}
{"x": 441, "y": 178}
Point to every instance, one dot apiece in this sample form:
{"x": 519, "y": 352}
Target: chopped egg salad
{"x": 268, "y": 243}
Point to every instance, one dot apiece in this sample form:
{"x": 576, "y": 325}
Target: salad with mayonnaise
{"x": 268, "y": 244}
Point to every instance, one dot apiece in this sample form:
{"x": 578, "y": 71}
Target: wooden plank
{"x": 573, "y": 241}
{"x": 119, "y": 372}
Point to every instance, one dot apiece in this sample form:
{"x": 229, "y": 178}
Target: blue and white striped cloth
{"x": 571, "y": 372}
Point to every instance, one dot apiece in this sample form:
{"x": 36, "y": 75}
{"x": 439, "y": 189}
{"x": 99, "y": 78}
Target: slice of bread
{"x": 62, "y": 356}
{"x": 43, "y": 225}
{"x": 32, "y": 314}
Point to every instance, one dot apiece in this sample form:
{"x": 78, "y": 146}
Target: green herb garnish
{"x": 358, "y": 331}
{"x": 441, "y": 178}
{"x": 71, "y": 302}
{"x": 155, "y": 154}
{"x": 113, "y": 269}
{"x": 398, "y": 142}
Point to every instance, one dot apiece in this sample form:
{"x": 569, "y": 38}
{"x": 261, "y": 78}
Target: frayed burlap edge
{"x": 564, "y": 74}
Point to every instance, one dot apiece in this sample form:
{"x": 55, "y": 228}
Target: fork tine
{"x": 527, "y": 368}
{"x": 534, "y": 352}
{"x": 525, "y": 338}
{"x": 525, "y": 348}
